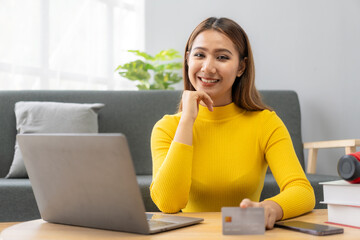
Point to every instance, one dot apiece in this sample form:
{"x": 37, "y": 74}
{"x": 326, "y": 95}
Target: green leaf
{"x": 154, "y": 87}
{"x": 118, "y": 68}
{"x": 174, "y": 66}
{"x": 142, "y": 54}
{"x": 159, "y": 78}
{"x": 139, "y": 64}
{"x": 142, "y": 87}
{"x": 136, "y": 70}
{"x": 167, "y": 55}
{"x": 150, "y": 67}
{"x": 173, "y": 78}
{"x": 168, "y": 66}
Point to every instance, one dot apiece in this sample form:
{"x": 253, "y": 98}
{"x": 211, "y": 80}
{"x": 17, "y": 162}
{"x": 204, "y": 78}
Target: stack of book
{"x": 343, "y": 201}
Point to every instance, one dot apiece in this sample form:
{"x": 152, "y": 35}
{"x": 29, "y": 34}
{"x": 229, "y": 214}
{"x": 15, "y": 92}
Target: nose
{"x": 208, "y": 66}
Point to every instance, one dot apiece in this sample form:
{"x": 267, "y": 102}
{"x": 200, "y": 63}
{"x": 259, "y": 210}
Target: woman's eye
{"x": 223, "y": 57}
{"x": 198, "y": 55}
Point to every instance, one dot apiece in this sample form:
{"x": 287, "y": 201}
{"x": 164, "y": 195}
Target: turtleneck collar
{"x": 219, "y": 113}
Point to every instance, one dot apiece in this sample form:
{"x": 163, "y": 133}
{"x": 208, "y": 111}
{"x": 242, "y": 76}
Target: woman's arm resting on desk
{"x": 172, "y": 167}
{"x": 296, "y": 195}
{"x": 172, "y": 152}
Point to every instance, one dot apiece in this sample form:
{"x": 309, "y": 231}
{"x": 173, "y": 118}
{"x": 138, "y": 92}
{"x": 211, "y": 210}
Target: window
{"x": 67, "y": 44}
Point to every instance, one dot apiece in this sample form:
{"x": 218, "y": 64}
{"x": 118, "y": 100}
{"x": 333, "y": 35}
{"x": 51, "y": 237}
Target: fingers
{"x": 270, "y": 218}
{"x": 206, "y": 99}
{"x": 273, "y": 213}
{"x": 199, "y": 96}
{"x": 191, "y": 101}
{"x": 245, "y": 203}
{"x": 270, "y": 214}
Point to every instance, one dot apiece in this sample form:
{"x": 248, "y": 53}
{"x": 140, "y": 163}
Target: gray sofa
{"x": 132, "y": 113}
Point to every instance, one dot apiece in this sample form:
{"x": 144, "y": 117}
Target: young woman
{"x": 216, "y": 150}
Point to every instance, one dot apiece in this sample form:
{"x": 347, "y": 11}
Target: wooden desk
{"x": 210, "y": 229}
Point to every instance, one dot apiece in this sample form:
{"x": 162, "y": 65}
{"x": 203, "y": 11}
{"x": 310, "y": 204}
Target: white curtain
{"x": 68, "y": 44}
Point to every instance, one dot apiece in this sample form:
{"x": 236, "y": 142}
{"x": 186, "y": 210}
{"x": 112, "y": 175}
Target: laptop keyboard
{"x": 157, "y": 223}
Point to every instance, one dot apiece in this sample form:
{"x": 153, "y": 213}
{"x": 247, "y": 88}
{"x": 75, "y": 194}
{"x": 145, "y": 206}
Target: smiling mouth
{"x": 208, "y": 80}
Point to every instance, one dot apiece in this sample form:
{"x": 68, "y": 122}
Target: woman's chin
{"x": 208, "y": 91}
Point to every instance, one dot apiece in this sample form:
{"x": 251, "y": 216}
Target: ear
{"x": 242, "y": 67}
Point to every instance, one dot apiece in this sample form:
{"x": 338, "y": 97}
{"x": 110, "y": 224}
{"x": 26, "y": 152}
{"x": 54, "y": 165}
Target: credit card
{"x": 243, "y": 221}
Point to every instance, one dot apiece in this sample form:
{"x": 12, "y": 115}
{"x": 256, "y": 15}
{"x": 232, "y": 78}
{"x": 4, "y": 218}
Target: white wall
{"x": 310, "y": 46}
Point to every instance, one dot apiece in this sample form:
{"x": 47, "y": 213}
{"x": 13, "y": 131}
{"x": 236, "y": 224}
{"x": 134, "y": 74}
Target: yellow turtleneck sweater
{"x": 227, "y": 162}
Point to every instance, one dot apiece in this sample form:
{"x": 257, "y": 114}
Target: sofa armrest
{"x": 349, "y": 145}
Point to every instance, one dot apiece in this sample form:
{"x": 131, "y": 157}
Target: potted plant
{"x": 153, "y": 72}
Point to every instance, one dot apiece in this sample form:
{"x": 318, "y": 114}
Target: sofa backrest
{"x": 132, "y": 113}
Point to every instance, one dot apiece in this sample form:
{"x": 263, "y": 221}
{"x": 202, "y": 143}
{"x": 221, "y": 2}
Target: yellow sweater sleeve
{"x": 296, "y": 194}
{"x": 172, "y": 164}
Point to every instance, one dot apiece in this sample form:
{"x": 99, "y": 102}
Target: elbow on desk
{"x": 303, "y": 202}
{"x": 167, "y": 204}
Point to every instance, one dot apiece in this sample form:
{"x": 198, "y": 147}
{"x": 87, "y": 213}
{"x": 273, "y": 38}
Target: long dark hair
{"x": 244, "y": 92}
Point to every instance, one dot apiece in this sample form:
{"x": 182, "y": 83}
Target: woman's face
{"x": 214, "y": 65}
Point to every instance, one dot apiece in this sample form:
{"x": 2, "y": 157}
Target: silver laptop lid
{"x": 80, "y": 180}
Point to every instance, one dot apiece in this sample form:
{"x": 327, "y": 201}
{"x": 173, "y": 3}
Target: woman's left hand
{"x": 273, "y": 211}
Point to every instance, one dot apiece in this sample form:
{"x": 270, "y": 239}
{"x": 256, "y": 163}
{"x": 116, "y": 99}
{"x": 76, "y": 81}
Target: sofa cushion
{"x": 17, "y": 201}
{"x": 51, "y": 117}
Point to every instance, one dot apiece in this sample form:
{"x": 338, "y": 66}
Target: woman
{"x": 216, "y": 150}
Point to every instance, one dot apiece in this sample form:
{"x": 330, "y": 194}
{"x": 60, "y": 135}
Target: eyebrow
{"x": 216, "y": 50}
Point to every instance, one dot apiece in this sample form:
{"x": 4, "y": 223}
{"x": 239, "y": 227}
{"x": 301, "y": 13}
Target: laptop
{"x": 89, "y": 180}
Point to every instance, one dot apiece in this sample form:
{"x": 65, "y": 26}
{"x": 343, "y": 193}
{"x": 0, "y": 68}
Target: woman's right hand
{"x": 190, "y": 109}
{"x": 190, "y": 103}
